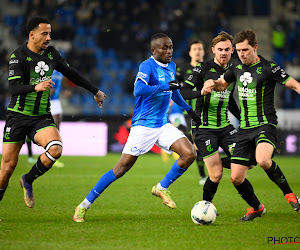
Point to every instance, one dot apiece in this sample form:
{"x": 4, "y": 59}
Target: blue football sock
{"x": 174, "y": 173}
{"x": 101, "y": 185}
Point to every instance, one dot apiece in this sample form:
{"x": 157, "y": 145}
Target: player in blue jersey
{"x": 154, "y": 87}
{"x": 56, "y": 109}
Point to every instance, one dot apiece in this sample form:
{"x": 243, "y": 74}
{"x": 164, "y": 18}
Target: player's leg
{"x": 57, "y": 120}
{"x": 124, "y": 164}
{"x": 264, "y": 152}
{"x": 50, "y": 139}
{"x": 242, "y": 158}
{"x": 140, "y": 141}
{"x": 10, "y": 153}
{"x": 245, "y": 189}
{"x": 171, "y": 139}
{"x": 200, "y": 165}
{"x": 30, "y": 159}
{"x": 215, "y": 172}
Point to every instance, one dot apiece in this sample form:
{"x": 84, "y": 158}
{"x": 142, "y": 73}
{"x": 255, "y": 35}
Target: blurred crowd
{"x": 109, "y": 39}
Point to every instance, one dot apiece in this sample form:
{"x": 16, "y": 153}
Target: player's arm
{"x": 195, "y": 79}
{"x": 177, "y": 98}
{"x": 79, "y": 80}
{"x": 293, "y": 84}
{"x": 216, "y": 85}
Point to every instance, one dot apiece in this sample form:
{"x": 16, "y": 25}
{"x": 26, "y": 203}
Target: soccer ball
{"x": 204, "y": 213}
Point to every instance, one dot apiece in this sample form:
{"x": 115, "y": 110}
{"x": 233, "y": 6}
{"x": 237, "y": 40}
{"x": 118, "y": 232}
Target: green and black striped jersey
{"x": 29, "y": 68}
{"x": 212, "y": 108}
{"x": 182, "y": 72}
{"x": 256, "y": 86}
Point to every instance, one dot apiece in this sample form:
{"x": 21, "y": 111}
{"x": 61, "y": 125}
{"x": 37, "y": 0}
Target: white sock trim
{"x": 86, "y": 204}
{"x": 159, "y": 187}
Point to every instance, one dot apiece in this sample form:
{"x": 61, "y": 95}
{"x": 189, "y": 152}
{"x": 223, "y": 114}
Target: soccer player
{"x": 256, "y": 138}
{"x": 196, "y": 53}
{"x": 56, "y": 109}
{"x": 215, "y": 130}
{"x": 30, "y": 70}
{"x": 154, "y": 87}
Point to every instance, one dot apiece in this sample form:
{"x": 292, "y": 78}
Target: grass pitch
{"x": 127, "y": 216}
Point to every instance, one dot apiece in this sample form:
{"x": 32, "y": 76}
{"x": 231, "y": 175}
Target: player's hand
{"x": 174, "y": 85}
{"x": 99, "y": 98}
{"x": 44, "y": 86}
{"x": 195, "y": 117}
{"x": 207, "y": 87}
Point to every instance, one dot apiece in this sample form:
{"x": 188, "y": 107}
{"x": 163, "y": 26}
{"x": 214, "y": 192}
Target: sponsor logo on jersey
{"x": 13, "y": 61}
{"x": 275, "y": 69}
{"x": 283, "y": 74}
{"x": 197, "y": 70}
{"x": 41, "y": 68}
{"x": 13, "y": 56}
{"x": 141, "y": 75}
{"x": 213, "y": 70}
{"x": 223, "y": 95}
{"x": 29, "y": 59}
{"x": 239, "y": 66}
{"x": 38, "y": 80}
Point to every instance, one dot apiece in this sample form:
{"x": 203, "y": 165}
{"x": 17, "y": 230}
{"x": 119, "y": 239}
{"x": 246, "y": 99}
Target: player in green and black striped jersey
{"x": 196, "y": 53}
{"x": 215, "y": 130}
{"x": 256, "y": 138}
{"x": 28, "y": 113}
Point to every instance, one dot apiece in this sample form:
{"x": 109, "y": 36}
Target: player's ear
{"x": 152, "y": 50}
{"x": 213, "y": 49}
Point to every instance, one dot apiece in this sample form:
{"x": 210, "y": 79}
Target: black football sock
{"x": 226, "y": 162}
{"x": 275, "y": 174}
{"x": 2, "y": 191}
{"x": 200, "y": 164}
{"x": 247, "y": 193}
{"x": 36, "y": 171}
{"x": 209, "y": 190}
{"x": 28, "y": 142}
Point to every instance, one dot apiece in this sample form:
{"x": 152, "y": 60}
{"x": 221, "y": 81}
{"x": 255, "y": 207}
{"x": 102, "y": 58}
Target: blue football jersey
{"x": 57, "y": 79}
{"x": 152, "y": 110}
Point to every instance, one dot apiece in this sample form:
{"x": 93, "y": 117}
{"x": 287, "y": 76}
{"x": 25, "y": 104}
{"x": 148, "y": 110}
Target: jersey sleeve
{"x": 16, "y": 76}
{"x": 144, "y": 73}
{"x": 195, "y": 79}
{"x": 278, "y": 74}
{"x": 229, "y": 75}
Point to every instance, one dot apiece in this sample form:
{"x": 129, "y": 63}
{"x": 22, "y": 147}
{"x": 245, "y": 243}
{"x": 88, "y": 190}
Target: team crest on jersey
{"x": 246, "y": 78}
{"x": 41, "y": 68}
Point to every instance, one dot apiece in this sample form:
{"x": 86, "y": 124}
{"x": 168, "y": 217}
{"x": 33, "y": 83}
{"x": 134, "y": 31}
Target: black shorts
{"x": 246, "y": 141}
{"x": 18, "y": 126}
{"x": 209, "y": 140}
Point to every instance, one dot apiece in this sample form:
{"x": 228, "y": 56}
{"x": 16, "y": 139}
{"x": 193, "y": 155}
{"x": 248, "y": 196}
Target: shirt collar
{"x": 159, "y": 63}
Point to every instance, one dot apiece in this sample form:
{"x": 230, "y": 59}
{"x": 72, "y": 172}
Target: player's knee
{"x": 7, "y": 169}
{"x": 191, "y": 155}
{"x": 216, "y": 177}
{"x": 55, "y": 151}
{"x": 265, "y": 163}
{"x": 236, "y": 180}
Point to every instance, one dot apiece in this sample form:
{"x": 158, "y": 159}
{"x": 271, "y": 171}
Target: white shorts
{"x": 175, "y": 116}
{"x": 56, "y": 108}
{"x": 141, "y": 139}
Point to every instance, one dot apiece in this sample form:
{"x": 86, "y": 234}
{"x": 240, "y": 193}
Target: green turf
{"x": 127, "y": 216}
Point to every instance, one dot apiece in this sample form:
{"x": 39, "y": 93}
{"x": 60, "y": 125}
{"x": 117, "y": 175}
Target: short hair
{"x": 34, "y": 22}
{"x": 157, "y": 36}
{"x": 246, "y": 34}
{"x": 196, "y": 42}
{"x": 221, "y": 37}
